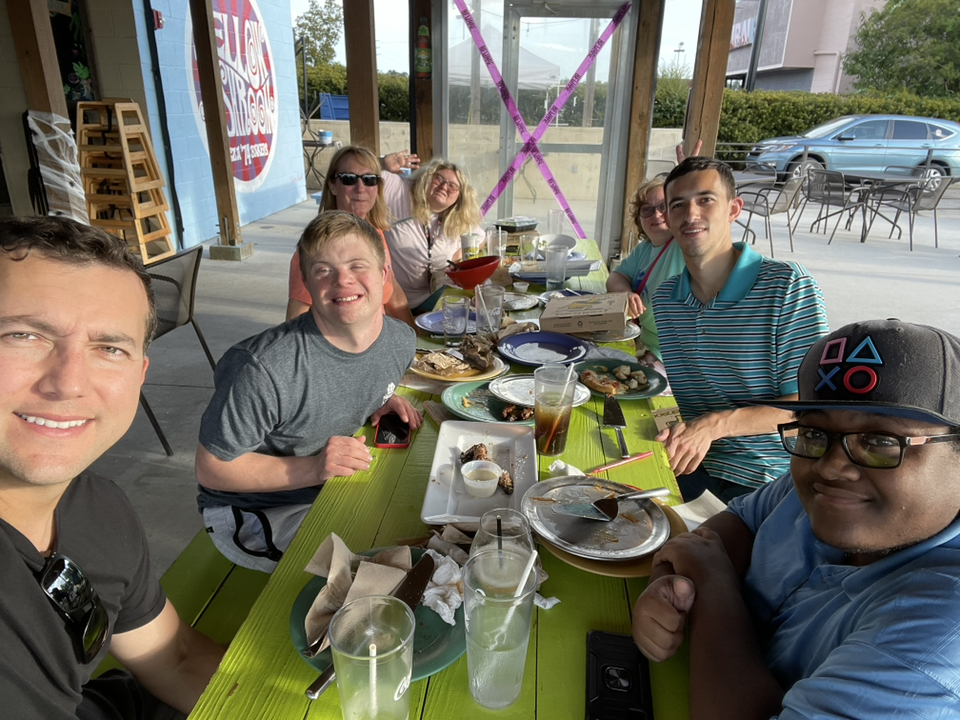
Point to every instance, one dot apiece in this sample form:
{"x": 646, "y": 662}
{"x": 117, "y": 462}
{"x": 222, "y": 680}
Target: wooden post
{"x": 37, "y": 56}
{"x": 230, "y": 246}
{"x": 362, "y": 89}
{"x": 709, "y": 76}
{"x": 641, "y": 109}
{"x": 423, "y": 88}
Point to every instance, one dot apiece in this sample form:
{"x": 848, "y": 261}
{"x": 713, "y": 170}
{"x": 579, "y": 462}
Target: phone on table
{"x": 618, "y": 679}
{"x": 392, "y": 432}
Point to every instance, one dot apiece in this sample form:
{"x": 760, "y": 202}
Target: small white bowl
{"x": 559, "y": 240}
{"x": 480, "y": 478}
{"x": 521, "y": 287}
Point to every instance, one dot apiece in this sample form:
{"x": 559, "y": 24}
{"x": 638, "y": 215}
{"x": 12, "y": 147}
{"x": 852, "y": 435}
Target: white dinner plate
{"x": 511, "y": 447}
{"x": 518, "y": 389}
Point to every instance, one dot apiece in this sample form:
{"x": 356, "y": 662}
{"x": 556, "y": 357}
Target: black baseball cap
{"x": 886, "y": 367}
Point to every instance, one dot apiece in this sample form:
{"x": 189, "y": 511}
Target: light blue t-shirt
{"x": 743, "y": 346}
{"x": 875, "y": 642}
{"x": 635, "y": 267}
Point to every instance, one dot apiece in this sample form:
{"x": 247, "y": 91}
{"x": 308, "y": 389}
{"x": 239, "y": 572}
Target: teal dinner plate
{"x": 435, "y": 644}
{"x": 483, "y": 405}
{"x": 656, "y": 383}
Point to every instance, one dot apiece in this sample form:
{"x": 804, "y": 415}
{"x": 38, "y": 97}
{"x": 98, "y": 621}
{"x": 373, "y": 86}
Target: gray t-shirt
{"x": 287, "y": 391}
{"x": 40, "y": 675}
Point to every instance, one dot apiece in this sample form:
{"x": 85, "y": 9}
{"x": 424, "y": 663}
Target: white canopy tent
{"x": 535, "y": 72}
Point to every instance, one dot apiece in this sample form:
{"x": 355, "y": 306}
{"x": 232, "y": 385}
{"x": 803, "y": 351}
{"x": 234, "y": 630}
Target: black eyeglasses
{"x": 72, "y": 594}
{"x": 647, "y": 211}
{"x": 349, "y": 179}
{"x": 866, "y": 449}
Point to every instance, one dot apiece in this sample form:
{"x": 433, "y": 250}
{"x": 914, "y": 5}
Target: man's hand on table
{"x": 687, "y": 443}
{"x": 634, "y": 305}
{"x": 402, "y": 407}
{"x": 342, "y": 457}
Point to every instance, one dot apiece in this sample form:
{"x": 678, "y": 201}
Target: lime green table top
{"x": 262, "y": 676}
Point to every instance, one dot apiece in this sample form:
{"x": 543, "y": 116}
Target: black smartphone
{"x": 618, "y": 679}
{"x": 392, "y": 432}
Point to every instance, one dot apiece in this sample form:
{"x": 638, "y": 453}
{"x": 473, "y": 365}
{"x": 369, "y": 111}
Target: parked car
{"x": 877, "y": 143}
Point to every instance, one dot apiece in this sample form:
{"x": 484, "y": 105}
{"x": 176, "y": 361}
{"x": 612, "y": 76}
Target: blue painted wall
{"x": 283, "y": 185}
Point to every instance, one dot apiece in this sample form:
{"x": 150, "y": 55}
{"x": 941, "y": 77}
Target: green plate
{"x": 435, "y": 644}
{"x": 657, "y": 383}
{"x": 486, "y": 406}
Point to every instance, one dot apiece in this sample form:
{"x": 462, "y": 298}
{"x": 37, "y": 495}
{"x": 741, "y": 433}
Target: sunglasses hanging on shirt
{"x": 350, "y": 179}
{"x": 71, "y": 593}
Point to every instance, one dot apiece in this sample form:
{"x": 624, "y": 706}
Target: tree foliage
{"x": 320, "y": 27}
{"x": 909, "y": 45}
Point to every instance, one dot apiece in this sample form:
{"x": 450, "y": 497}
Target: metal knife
{"x": 410, "y": 590}
{"x": 606, "y": 509}
{"x": 613, "y": 417}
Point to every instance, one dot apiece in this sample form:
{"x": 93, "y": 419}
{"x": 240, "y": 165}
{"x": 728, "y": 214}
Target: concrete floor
{"x": 880, "y": 278}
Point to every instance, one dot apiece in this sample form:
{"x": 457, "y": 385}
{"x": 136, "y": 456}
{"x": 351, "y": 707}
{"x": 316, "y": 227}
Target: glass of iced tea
{"x": 554, "y": 387}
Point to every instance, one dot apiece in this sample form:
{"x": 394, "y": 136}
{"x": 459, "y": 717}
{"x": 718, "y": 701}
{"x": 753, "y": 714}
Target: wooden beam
{"x": 37, "y": 56}
{"x": 423, "y": 87}
{"x": 709, "y": 76}
{"x": 641, "y": 109}
{"x": 214, "y": 115}
{"x": 362, "y": 90}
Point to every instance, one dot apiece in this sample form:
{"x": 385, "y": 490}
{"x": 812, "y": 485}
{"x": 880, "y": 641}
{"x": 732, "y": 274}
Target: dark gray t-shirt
{"x": 40, "y": 675}
{"x": 286, "y": 391}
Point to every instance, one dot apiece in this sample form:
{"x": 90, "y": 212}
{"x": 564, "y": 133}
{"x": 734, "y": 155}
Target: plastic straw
{"x": 480, "y": 303}
{"x": 501, "y": 634}
{"x": 630, "y": 459}
{"x": 526, "y": 571}
{"x": 500, "y": 538}
{"x": 374, "y": 711}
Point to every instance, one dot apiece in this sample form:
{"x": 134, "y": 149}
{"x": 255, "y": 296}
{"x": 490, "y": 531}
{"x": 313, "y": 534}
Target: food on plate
{"x": 475, "y": 452}
{"x": 602, "y": 383}
{"x": 623, "y": 380}
{"x": 513, "y": 413}
{"x": 516, "y": 328}
{"x": 440, "y": 363}
{"x": 506, "y": 482}
{"x": 478, "y": 352}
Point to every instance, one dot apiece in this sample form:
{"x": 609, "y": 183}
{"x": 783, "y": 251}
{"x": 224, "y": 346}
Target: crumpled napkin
{"x": 377, "y": 575}
{"x": 559, "y": 468}
{"x": 444, "y": 594}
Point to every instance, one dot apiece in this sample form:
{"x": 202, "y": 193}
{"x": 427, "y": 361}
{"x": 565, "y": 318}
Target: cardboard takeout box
{"x": 585, "y": 314}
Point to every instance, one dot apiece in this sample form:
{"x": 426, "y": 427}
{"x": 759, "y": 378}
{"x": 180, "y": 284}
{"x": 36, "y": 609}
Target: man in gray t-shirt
{"x": 288, "y": 401}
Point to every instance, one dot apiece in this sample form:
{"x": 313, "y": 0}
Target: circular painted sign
{"x": 248, "y": 78}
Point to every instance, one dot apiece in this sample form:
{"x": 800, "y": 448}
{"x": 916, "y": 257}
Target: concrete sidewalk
{"x": 880, "y": 278}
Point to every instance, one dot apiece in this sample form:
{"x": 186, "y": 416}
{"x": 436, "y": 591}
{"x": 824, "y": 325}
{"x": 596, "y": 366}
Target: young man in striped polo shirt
{"x": 734, "y": 327}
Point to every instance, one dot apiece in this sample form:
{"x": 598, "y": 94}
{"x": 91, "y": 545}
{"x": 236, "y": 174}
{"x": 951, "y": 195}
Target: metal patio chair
{"x": 828, "y": 189}
{"x": 925, "y": 195}
{"x": 174, "y": 282}
{"x": 770, "y": 201}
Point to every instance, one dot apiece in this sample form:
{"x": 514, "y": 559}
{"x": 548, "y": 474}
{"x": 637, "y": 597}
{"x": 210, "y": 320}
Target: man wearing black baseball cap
{"x": 833, "y": 591}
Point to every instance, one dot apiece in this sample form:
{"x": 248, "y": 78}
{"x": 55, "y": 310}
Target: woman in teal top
{"x": 654, "y": 260}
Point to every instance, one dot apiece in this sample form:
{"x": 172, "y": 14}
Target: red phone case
{"x": 379, "y": 444}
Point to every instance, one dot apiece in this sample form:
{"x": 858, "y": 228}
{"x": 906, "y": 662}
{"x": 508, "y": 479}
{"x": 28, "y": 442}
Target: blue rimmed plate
{"x": 540, "y": 348}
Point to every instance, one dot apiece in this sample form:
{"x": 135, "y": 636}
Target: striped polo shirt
{"x": 744, "y": 345}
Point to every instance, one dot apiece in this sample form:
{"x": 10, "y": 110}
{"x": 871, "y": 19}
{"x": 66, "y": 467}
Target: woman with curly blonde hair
{"x": 431, "y": 210}
{"x": 652, "y": 261}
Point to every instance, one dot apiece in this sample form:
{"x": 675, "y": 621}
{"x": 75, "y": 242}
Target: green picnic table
{"x": 262, "y": 675}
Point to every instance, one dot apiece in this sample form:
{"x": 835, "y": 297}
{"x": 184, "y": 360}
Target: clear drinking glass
{"x": 529, "y": 247}
{"x": 372, "y": 643}
{"x": 497, "y": 243}
{"x": 489, "y": 308}
{"x": 553, "y": 388}
{"x": 456, "y": 313}
{"x": 514, "y": 533}
{"x": 498, "y": 609}
{"x": 556, "y": 266}
{"x": 555, "y": 222}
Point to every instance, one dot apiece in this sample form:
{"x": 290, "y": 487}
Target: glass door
{"x": 538, "y": 47}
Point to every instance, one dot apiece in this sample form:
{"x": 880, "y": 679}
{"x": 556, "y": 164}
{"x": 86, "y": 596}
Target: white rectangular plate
{"x": 511, "y": 447}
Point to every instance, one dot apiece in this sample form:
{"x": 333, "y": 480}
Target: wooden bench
{"x": 208, "y": 591}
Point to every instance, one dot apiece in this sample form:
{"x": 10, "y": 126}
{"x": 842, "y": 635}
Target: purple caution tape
{"x": 530, "y": 141}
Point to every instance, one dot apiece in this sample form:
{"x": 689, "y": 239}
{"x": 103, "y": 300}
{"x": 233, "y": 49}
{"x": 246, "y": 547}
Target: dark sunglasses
{"x": 72, "y": 594}
{"x": 866, "y": 449}
{"x": 350, "y": 179}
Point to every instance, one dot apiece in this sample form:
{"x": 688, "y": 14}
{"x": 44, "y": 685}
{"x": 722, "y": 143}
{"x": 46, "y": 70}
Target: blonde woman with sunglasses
{"x": 354, "y": 184}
